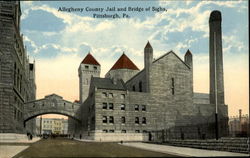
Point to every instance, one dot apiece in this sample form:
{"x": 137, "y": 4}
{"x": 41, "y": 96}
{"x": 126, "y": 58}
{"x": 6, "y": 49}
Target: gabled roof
{"x": 124, "y": 63}
{"x": 89, "y": 59}
{"x": 107, "y": 83}
{"x": 170, "y": 52}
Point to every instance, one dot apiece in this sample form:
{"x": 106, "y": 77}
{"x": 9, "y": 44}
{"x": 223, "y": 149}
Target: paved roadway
{"x": 62, "y": 147}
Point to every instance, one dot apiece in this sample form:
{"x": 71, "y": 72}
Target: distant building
{"x": 54, "y": 126}
{"x": 239, "y": 125}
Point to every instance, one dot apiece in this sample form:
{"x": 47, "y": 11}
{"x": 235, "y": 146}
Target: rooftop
{"x": 89, "y": 59}
{"x": 124, "y": 63}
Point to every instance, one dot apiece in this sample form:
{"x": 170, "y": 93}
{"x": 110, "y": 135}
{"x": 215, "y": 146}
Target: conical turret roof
{"x": 124, "y": 63}
{"x": 89, "y": 59}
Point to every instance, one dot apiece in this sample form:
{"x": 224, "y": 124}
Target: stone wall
{"x": 124, "y": 74}
{"x": 85, "y": 75}
{"x": 17, "y": 84}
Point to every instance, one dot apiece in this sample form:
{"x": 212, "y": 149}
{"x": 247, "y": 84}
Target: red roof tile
{"x": 89, "y": 59}
{"x": 124, "y": 63}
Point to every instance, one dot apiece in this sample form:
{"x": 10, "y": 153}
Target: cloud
{"x": 184, "y": 26}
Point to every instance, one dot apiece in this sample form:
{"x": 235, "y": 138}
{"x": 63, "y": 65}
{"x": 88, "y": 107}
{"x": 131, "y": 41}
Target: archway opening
{"x": 51, "y": 124}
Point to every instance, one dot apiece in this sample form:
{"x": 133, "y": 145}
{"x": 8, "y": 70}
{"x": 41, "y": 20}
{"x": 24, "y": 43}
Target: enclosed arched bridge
{"x": 51, "y": 104}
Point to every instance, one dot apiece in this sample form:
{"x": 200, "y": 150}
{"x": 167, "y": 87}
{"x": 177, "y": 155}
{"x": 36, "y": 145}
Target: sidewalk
{"x": 183, "y": 151}
{"x": 9, "y": 148}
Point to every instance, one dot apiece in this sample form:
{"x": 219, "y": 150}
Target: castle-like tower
{"x": 88, "y": 68}
{"x": 216, "y": 59}
{"x": 148, "y": 59}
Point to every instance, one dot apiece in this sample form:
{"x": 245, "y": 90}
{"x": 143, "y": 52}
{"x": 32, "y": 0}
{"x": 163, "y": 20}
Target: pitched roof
{"x": 168, "y": 54}
{"x": 188, "y": 52}
{"x": 124, "y": 63}
{"x": 148, "y": 45}
{"x": 107, "y": 83}
{"x": 89, "y": 59}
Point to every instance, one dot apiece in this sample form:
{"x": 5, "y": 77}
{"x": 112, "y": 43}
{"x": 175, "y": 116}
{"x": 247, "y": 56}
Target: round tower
{"x": 123, "y": 69}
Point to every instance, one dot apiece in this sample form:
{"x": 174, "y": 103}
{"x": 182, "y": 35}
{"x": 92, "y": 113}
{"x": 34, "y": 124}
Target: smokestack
{"x": 216, "y": 59}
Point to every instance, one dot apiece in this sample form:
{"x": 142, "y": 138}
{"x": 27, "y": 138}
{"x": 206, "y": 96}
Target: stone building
{"x": 239, "y": 125}
{"x": 133, "y": 104}
{"x": 17, "y": 74}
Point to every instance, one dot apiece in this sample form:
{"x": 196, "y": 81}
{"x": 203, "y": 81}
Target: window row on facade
{"x": 111, "y": 95}
{"x": 121, "y": 131}
{"x": 88, "y": 67}
{"x": 110, "y": 106}
{"x": 110, "y": 119}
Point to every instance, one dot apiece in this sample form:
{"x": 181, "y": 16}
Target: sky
{"x": 59, "y": 40}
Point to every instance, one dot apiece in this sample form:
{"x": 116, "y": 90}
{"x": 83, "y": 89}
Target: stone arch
{"x": 51, "y": 104}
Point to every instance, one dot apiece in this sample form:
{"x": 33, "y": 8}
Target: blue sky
{"x": 60, "y": 40}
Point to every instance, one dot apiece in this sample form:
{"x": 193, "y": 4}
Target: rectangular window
{"x": 86, "y": 67}
{"x": 111, "y": 119}
{"x": 124, "y": 131}
{"x": 104, "y": 105}
{"x": 110, "y": 95}
{"x": 133, "y": 88}
{"x": 111, "y": 131}
{"x": 123, "y": 120}
{"x": 122, "y": 96}
{"x": 111, "y": 106}
{"x": 143, "y": 107}
{"x": 137, "y": 131}
{"x": 105, "y": 131}
{"x": 104, "y": 119}
{"x": 122, "y": 106}
{"x": 104, "y": 95}
{"x": 136, "y": 107}
{"x": 95, "y": 68}
{"x": 136, "y": 120}
{"x": 144, "y": 121}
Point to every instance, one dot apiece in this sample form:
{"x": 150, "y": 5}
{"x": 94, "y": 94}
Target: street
{"x": 63, "y": 147}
